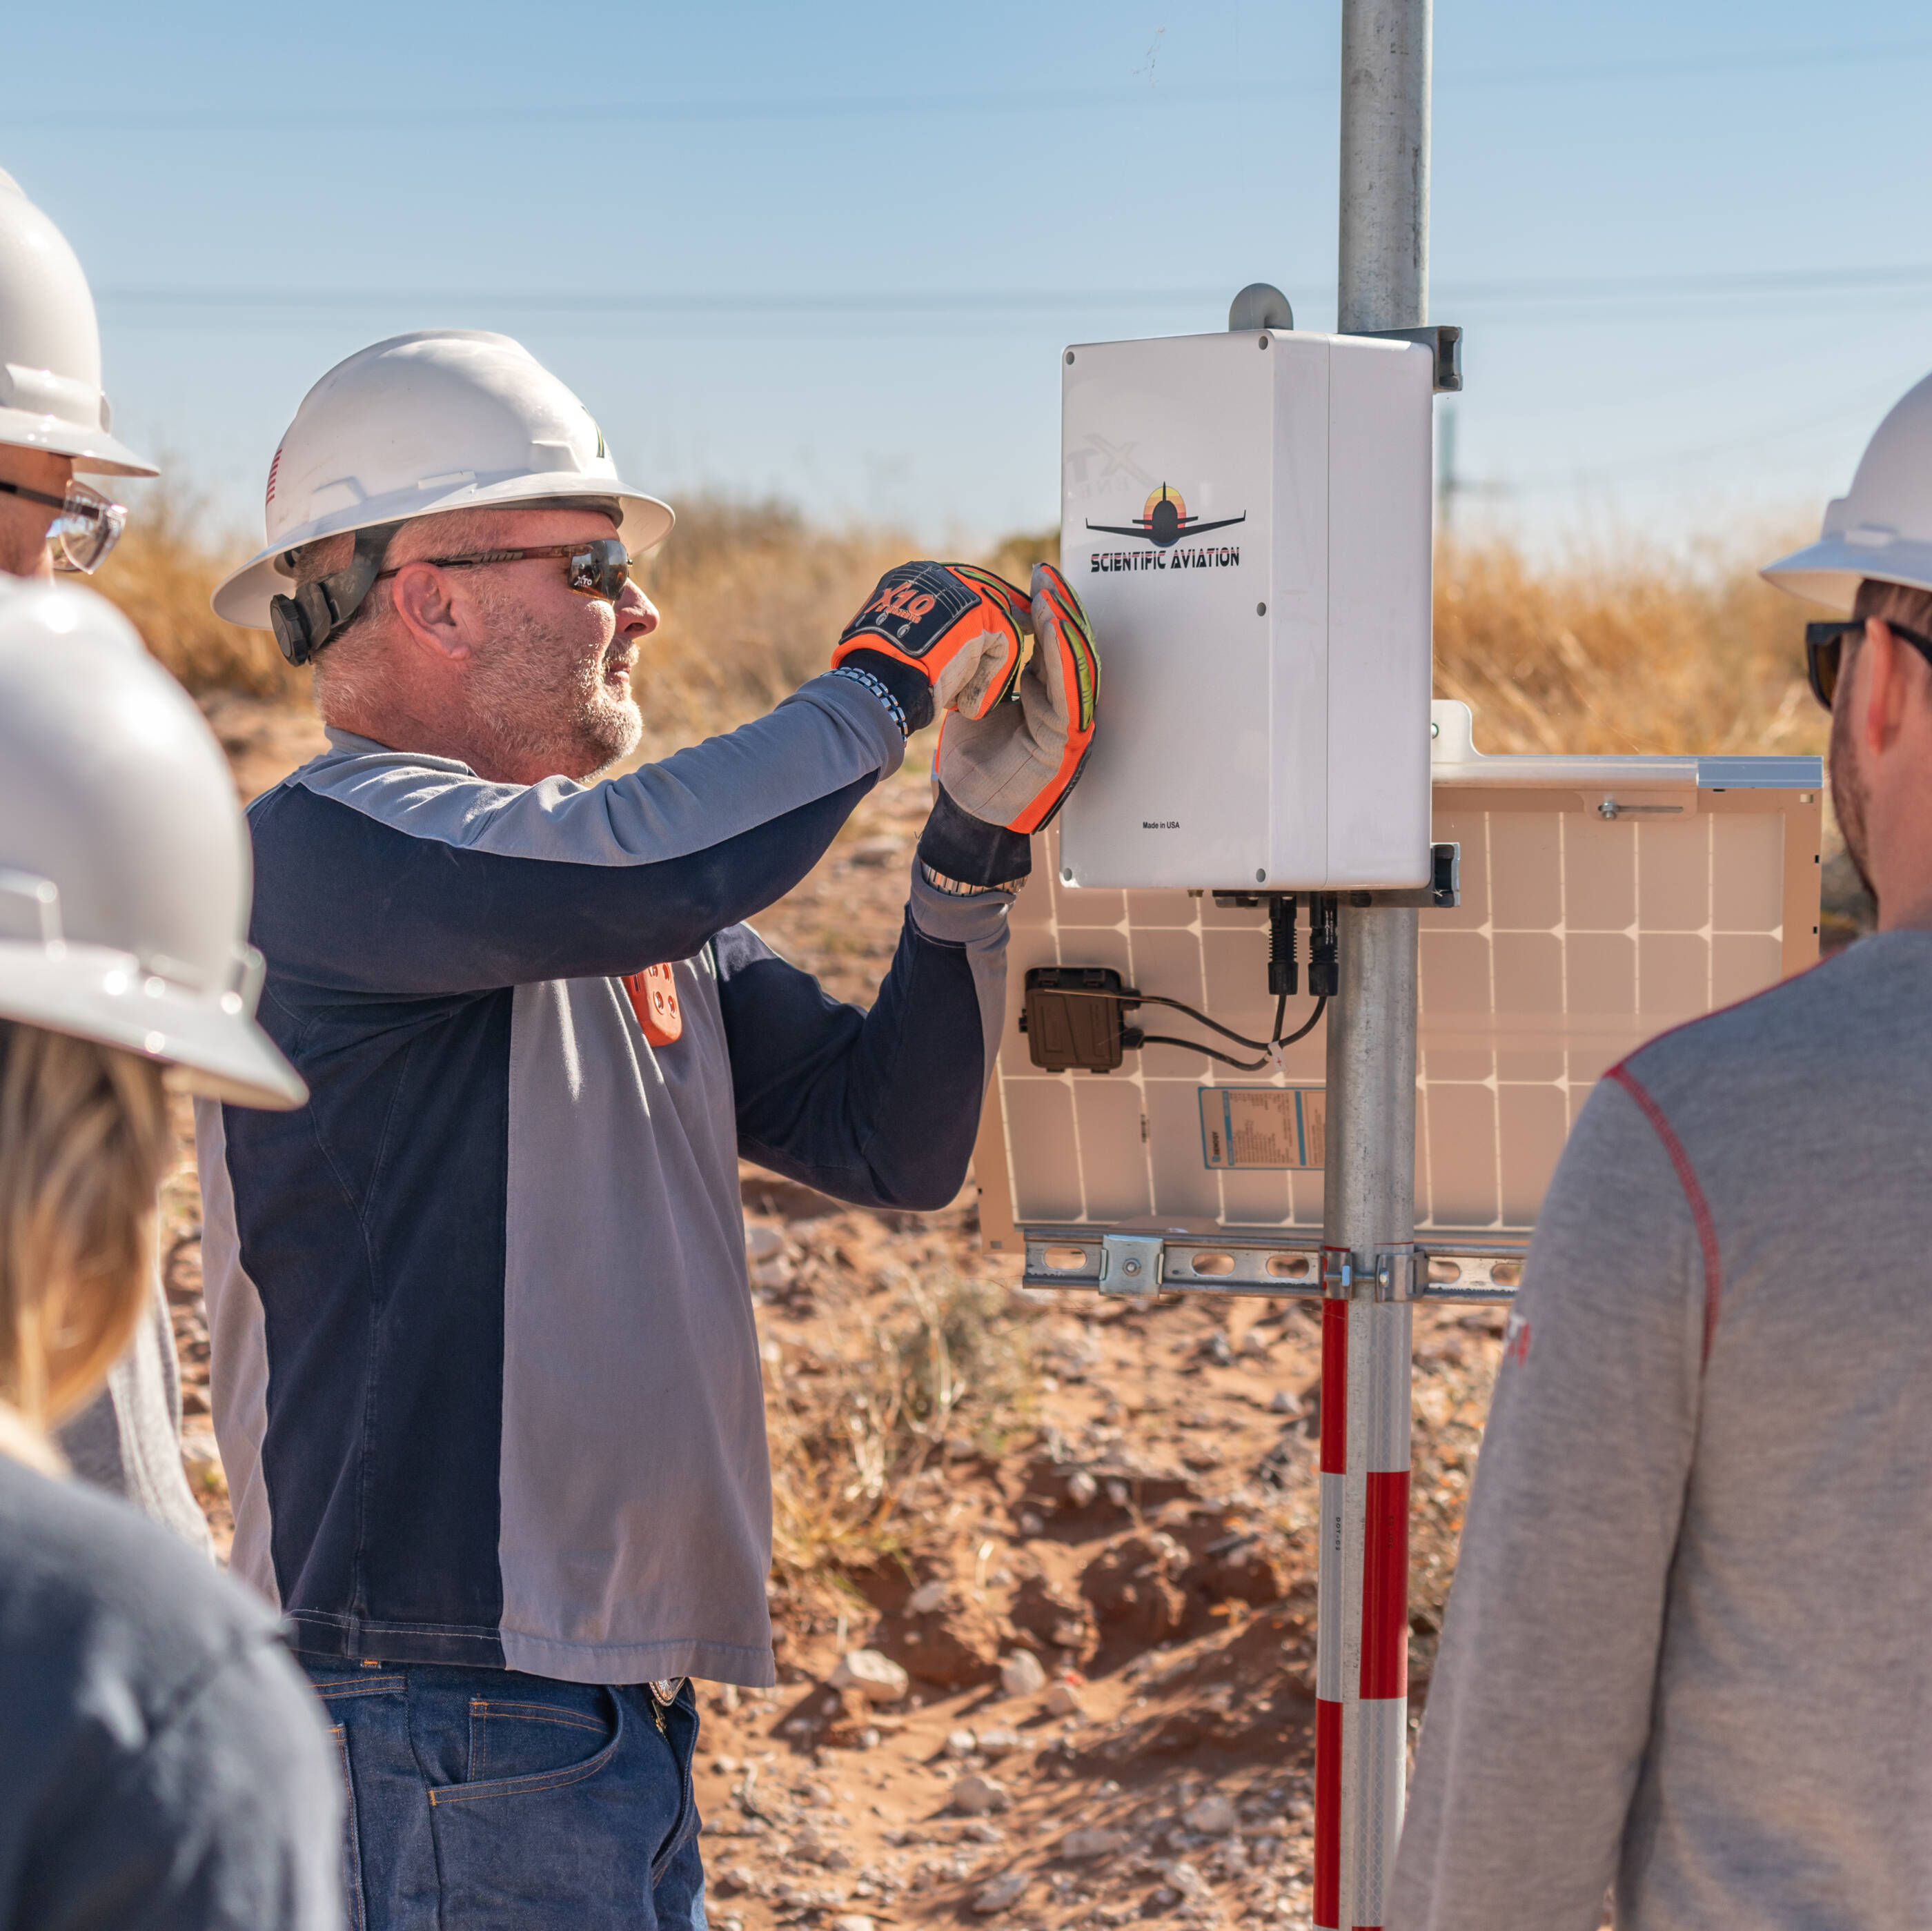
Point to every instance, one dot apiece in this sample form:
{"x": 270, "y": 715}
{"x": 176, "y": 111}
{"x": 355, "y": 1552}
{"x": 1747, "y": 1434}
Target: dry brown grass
{"x": 940, "y": 1361}
{"x": 161, "y": 574}
{"x": 1641, "y": 651}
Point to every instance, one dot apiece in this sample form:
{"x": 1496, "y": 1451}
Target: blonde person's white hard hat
{"x": 1882, "y": 527}
{"x": 50, "y": 393}
{"x": 124, "y": 867}
{"x": 444, "y": 419}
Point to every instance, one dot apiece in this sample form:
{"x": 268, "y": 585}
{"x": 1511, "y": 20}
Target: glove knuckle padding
{"x": 958, "y": 625}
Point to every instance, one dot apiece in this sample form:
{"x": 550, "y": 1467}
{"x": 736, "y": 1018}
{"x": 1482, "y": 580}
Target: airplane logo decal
{"x": 1164, "y": 521}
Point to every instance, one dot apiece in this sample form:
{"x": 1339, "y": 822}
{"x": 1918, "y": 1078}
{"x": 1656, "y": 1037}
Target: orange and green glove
{"x": 1004, "y": 773}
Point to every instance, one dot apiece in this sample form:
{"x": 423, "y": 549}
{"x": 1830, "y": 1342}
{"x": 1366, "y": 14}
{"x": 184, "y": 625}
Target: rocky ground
{"x": 1045, "y": 1592}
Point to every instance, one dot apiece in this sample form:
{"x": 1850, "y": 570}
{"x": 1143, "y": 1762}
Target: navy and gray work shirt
{"x": 485, "y": 1376}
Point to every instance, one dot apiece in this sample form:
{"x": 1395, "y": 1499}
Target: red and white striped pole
{"x": 1369, "y": 1200}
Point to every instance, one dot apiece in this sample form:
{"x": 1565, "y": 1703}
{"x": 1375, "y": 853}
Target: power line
{"x": 758, "y": 305}
{"x": 405, "y": 119}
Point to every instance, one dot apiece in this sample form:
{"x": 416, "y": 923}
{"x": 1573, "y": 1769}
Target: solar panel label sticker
{"x": 1278, "y": 1128}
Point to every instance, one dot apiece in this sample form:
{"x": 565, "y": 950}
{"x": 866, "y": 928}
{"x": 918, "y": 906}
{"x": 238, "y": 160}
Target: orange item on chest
{"x": 654, "y": 999}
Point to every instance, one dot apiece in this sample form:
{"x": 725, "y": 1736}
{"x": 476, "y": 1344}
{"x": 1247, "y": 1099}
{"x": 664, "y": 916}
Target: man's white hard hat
{"x": 1883, "y": 527}
{"x": 445, "y": 419}
{"x": 125, "y": 870}
{"x": 50, "y": 394}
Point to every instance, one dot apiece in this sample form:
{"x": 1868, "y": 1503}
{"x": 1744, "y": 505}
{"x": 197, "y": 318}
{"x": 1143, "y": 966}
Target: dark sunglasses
{"x": 89, "y": 526}
{"x": 1825, "y": 650}
{"x": 599, "y": 569}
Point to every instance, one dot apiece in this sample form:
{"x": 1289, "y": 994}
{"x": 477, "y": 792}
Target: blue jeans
{"x": 483, "y": 1799}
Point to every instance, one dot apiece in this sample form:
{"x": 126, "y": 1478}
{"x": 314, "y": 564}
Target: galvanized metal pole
{"x": 1362, "y": 1710}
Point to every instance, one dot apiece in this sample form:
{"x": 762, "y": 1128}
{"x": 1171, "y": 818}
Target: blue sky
{"x": 834, "y": 253}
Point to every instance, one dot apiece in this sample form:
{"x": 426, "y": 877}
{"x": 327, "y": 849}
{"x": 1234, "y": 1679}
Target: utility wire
{"x": 413, "y": 119}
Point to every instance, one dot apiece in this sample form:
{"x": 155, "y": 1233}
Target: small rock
{"x": 1063, "y": 1701}
{"x": 1255, "y": 1343}
{"x": 960, "y": 1743}
{"x": 998, "y": 1743}
{"x": 1030, "y": 1524}
{"x": 1285, "y": 1404}
{"x": 723, "y": 1766}
{"x": 974, "y": 1796}
{"x": 1116, "y": 1494}
{"x": 853, "y": 1922}
{"x": 1005, "y": 1890}
{"x": 876, "y": 1677}
{"x": 1212, "y": 1816}
{"x": 728, "y": 1696}
{"x": 1081, "y": 1488}
{"x": 1216, "y": 1350}
{"x": 735, "y": 1878}
{"x": 927, "y": 1597}
{"x": 1021, "y": 1673}
{"x": 762, "y": 1242}
{"x": 977, "y": 1830}
{"x": 1077, "y": 1847}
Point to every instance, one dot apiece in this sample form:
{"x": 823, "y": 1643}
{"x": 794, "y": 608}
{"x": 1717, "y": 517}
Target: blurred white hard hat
{"x": 1882, "y": 528}
{"x": 124, "y": 869}
{"x": 444, "y": 419}
{"x": 50, "y": 395}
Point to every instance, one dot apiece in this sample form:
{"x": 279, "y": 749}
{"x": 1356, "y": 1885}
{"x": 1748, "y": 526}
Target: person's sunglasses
{"x": 600, "y": 567}
{"x": 1825, "y": 650}
{"x": 89, "y": 526}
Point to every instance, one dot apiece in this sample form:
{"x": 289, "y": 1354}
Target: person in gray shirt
{"x": 163, "y": 1765}
{"x": 1685, "y": 1656}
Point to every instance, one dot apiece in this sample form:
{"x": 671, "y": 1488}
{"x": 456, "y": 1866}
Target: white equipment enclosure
{"x": 1246, "y": 517}
{"x": 1602, "y": 900}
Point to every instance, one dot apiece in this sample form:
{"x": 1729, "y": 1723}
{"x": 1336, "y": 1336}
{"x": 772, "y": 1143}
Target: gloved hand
{"x": 936, "y": 635}
{"x": 1003, "y": 775}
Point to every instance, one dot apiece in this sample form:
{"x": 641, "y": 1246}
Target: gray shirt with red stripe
{"x": 1689, "y": 1648}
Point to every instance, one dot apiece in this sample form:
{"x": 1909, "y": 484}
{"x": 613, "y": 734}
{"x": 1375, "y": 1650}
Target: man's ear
{"x": 1887, "y": 693}
{"x": 427, "y": 614}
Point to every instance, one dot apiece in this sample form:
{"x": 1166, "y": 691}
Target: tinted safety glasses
{"x": 1825, "y": 650}
{"x": 89, "y": 526}
{"x": 599, "y": 569}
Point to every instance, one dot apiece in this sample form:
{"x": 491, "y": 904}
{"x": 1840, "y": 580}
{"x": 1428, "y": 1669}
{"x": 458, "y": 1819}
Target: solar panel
{"x": 1603, "y": 900}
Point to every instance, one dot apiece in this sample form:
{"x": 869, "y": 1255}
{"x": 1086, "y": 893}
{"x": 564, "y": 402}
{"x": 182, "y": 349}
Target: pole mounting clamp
{"x": 1398, "y": 1272}
{"x": 1338, "y": 1274}
{"x": 1130, "y": 1264}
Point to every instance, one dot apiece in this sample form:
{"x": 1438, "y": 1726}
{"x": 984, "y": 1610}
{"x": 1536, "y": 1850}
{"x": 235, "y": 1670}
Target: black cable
{"x": 1127, "y": 997}
{"x": 1314, "y": 1018}
{"x": 1132, "y": 1037}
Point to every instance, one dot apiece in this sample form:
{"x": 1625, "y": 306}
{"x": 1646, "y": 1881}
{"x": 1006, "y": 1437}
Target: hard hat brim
{"x": 243, "y": 597}
{"x": 93, "y": 992}
{"x": 1830, "y": 571}
{"x": 93, "y": 450}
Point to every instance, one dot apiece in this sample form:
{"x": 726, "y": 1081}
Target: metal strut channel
{"x": 1480, "y": 1268}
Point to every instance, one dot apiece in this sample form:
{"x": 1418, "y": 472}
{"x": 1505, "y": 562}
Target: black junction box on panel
{"x": 1073, "y": 1017}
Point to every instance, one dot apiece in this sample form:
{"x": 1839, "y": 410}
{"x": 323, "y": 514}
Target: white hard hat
{"x": 124, "y": 864}
{"x": 445, "y": 419}
{"x": 1883, "y": 528}
{"x": 50, "y": 396}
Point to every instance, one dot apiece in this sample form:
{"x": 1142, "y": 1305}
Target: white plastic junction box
{"x": 1246, "y": 517}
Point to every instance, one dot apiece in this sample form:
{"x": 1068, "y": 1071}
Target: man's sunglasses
{"x": 89, "y": 526}
{"x": 599, "y": 569}
{"x": 1825, "y": 650}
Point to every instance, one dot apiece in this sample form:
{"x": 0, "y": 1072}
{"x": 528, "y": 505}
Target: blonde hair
{"x": 83, "y": 1144}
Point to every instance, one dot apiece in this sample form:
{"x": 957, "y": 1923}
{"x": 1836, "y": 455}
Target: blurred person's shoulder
{"x": 1860, "y": 1018}
{"x": 159, "y": 1740}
